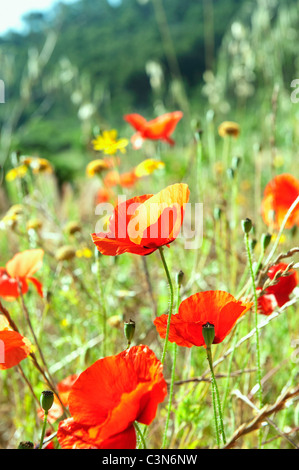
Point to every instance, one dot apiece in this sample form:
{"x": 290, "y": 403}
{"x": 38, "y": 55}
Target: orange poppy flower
{"x": 279, "y": 195}
{"x": 103, "y": 195}
{"x": 142, "y": 224}
{"x": 217, "y": 308}
{"x": 56, "y": 411}
{"x": 126, "y": 180}
{"x": 278, "y": 294}
{"x": 19, "y": 270}
{"x": 160, "y": 128}
{"x": 109, "y": 396}
{"x": 13, "y": 346}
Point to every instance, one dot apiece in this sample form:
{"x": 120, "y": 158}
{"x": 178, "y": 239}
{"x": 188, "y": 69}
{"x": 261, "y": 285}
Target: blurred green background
{"x": 78, "y": 68}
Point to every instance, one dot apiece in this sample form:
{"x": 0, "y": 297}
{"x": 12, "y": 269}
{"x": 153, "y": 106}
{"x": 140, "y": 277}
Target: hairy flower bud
{"x": 47, "y": 400}
{"x": 129, "y": 330}
{"x": 246, "y": 225}
{"x": 208, "y": 332}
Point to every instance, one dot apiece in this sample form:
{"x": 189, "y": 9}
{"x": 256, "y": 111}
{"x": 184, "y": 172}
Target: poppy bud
{"x": 180, "y": 277}
{"x": 230, "y": 173}
{"x": 236, "y": 161}
{"x": 266, "y": 239}
{"x": 217, "y": 213}
{"x": 252, "y": 244}
{"x": 129, "y": 330}
{"x": 26, "y": 445}
{"x": 208, "y": 333}
{"x": 46, "y": 400}
{"x": 246, "y": 225}
{"x": 294, "y": 231}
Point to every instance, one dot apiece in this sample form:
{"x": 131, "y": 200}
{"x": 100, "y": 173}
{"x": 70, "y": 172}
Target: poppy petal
{"x": 9, "y": 286}
{"x": 118, "y": 390}
{"x": 16, "y": 348}
{"x": 167, "y": 207}
{"x": 279, "y": 195}
{"x": 219, "y": 308}
{"x": 72, "y": 435}
{"x": 25, "y": 263}
{"x": 163, "y": 126}
{"x": 38, "y": 285}
{"x": 136, "y": 120}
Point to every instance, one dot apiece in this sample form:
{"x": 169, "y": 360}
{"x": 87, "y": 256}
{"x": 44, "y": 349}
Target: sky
{"x": 11, "y": 14}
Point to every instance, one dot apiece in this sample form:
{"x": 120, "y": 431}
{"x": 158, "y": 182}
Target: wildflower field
{"x": 152, "y": 301}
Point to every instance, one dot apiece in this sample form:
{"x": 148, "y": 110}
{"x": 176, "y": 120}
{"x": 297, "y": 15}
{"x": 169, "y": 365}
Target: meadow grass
{"x": 88, "y": 298}
{"x": 86, "y": 301}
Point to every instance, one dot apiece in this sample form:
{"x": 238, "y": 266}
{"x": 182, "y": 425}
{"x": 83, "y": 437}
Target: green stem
{"x": 170, "y": 302}
{"x": 43, "y": 430}
{"x": 198, "y": 164}
{"x": 258, "y": 360}
{"x": 140, "y": 434}
{"x": 102, "y": 303}
{"x": 216, "y": 402}
{"x": 172, "y": 379}
{"x": 235, "y": 337}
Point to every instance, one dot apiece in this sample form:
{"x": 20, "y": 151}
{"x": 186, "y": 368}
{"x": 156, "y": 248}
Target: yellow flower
{"x": 15, "y": 209}
{"x": 282, "y": 238}
{"x": 116, "y": 321}
{"x": 84, "y": 253}
{"x": 95, "y": 167}
{"x": 107, "y": 142}
{"x": 147, "y": 167}
{"x": 38, "y": 165}
{"x": 34, "y": 224}
{"x": 278, "y": 161}
{"x": 229, "y": 128}
{"x": 17, "y": 172}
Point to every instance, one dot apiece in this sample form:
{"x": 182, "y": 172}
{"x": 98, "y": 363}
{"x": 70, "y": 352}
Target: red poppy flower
{"x": 278, "y": 294}
{"x": 218, "y": 308}
{"x": 56, "y": 411}
{"x": 142, "y": 224}
{"x": 160, "y": 128}
{"x": 279, "y": 195}
{"x": 109, "y": 396}
{"x": 13, "y": 346}
{"x": 19, "y": 270}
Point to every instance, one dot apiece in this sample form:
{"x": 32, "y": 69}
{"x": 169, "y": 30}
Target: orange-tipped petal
{"x": 25, "y": 264}
{"x": 158, "y": 221}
